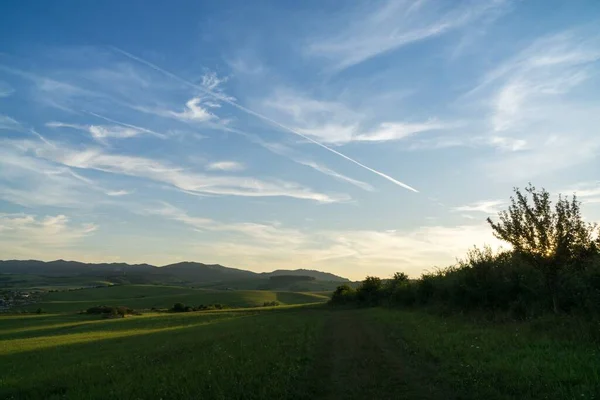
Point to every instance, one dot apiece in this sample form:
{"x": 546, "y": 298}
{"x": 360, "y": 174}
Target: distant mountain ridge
{"x": 318, "y": 275}
{"x": 190, "y": 272}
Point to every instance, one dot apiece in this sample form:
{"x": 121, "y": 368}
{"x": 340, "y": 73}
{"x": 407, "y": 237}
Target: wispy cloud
{"x": 184, "y": 180}
{"x": 103, "y": 132}
{"x": 286, "y": 151}
{"x": 28, "y": 236}
{"x": 194, "y": 111}
{"x": 333, "y": 122}
{"x": 535, "y": 116}
{"x": 117, "y": 193}
{"x": 276, "y": 123}
{"x": 100, "y": 132}
{"x": 369, "y": 31}
{"x": 354, "y": 251}
{"x": 9, "y": 124}
{"x": 336, "y": 175}
{"x": 33, "y": 182}
{"x": 226, "y": 166}
{"x": 587, "y": 192}
{"x": 256, "y": 232}
{"x": 397, "y": 130}
{"x": 5, "y": 89}
{"x": 485, "y": 206}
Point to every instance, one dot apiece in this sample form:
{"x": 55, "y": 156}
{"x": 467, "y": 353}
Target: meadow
{"x": 291, "y": 352}
{"x": 163, "y": 297}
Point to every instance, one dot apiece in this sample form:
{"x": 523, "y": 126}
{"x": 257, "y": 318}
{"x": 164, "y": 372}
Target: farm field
{"x": 156, "y": 296}
{"x": 289, "y": 352}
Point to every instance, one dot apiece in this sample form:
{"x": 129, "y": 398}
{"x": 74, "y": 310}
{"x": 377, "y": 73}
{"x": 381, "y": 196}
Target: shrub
{"x": 369, "y": 292}
{"x": 110, "y": 311}
{"x": 343, "y": 294}
{"x": 554, "y": 265}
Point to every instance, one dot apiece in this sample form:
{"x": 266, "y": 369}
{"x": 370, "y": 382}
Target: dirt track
{"x": 359, "y": 361}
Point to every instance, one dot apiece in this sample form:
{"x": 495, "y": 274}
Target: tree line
{"x": 553, "y": 265}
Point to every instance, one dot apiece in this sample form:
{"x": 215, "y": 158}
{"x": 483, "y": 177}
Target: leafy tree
{"x": 343, "y": 294}
{"x": 369, "y": 290}
{"x": 178, "y": 307}
{"x": 551, "y": 239}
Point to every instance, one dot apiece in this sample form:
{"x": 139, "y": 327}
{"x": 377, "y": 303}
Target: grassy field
{"x": 149, "y": 296}
{"x": 291, "y": 352}
{"x": 221, "y": 355}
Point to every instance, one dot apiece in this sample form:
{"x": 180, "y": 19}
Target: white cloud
{"x": 267, "y": 246}
{"x": 231, "y": 101}
{"x": 485, "y": 206}
{"x": 24, "y": 235}
{"x": 336, "y": 175}
{"x": 9, "y": 123}
{"x": 226, "y": 166}
{"x": 283, "y": 150}
{"x": 187, "y": 181}
{"x": 358, "y": 253}
{"x": 587, "y": 192}
{"x": 102, "y": 132}
{"x": 333, "y": 122}
{"x": 5, "y": 89}
{"x": 272, "y": 234}
{"x": 116, "y": 193}
{"x": 508, "y": 144}
{"x": 33, "y": 182}
{"x": 550, "y": 67}
{"x": 398, "y": 130}
{"x": 536, "y": 116}
{"x": 197, "y": 109}
{"x": 370, "y": 31}
{"x": 194, "y": 111}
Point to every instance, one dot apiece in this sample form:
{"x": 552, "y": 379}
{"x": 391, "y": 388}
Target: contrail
{"x": 160, "y": 135}
{"x": 260, "y": 116}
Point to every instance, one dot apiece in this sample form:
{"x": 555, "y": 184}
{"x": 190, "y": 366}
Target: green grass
{"x": 149, "y": 296}
{"x": 224, "y": 355}
{"x": 534, "y": 360}
{"x": 292, "y": 352}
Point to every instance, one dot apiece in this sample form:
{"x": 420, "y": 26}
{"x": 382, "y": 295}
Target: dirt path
{"x": 359, "y": 362}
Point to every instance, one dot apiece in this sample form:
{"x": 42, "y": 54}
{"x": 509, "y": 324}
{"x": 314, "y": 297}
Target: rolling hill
{"x": 34, "y": 273}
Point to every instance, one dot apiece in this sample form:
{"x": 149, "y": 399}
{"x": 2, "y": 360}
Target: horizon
{"x": 180, "y": 262}
{"x": 362, "y": 139}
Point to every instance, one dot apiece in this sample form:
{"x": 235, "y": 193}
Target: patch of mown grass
{"x": 216, "y": 355}
{"x": 157, "y": 296}
{"x": 497, "y": 361}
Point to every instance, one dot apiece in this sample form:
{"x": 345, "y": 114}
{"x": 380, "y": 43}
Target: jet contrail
{"x": 260, "y": 116}
{"x": 160, "y": 135}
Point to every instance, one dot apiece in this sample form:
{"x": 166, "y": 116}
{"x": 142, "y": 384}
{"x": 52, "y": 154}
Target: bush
{"x": 369, "y": 292}
{"x": 343, "y": 294}
{"x": 270, "y": 303}
{"x": 108, "y": 311}
{"x": 179, "y": 307}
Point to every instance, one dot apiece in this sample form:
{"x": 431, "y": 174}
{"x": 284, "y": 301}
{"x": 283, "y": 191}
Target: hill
{"x": 61, "y": 273}
{"x": 198, "y": 272}
{"x": 318, "y": 275}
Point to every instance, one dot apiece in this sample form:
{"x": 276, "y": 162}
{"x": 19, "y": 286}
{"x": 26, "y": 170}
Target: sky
{"x": 359, "y": 138}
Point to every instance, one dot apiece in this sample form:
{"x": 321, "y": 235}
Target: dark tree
{"x": 369, "y": 290}
{"x": 551, "y": 239}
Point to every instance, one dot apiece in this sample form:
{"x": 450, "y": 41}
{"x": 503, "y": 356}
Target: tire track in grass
{"x": 359, "y": 361}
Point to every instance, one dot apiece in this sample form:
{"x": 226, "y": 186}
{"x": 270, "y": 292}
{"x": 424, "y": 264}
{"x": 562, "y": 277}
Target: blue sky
{"x": 352, "y": 137}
